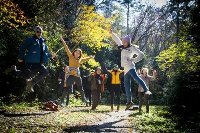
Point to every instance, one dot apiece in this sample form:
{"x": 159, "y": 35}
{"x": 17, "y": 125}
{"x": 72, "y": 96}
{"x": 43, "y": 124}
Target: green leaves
{"x": 181, "y": 57}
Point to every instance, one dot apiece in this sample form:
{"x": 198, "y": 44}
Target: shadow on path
{"x": 105, "y": 127}
{"x": 115, "y": 122}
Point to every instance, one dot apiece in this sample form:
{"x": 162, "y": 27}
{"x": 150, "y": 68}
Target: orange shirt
{"x": 74, "y": 63}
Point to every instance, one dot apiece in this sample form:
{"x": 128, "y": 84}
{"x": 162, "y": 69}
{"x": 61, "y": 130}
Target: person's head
{"x": 98, "y": 70}
{"x": 126, "y": 41}
{"x": 77, "y": 53}
{"x": 144, "y": 71}
{"x": 38, "y": 31}
{"x": 66, "y": 69}
{"x": 116, "y": 67}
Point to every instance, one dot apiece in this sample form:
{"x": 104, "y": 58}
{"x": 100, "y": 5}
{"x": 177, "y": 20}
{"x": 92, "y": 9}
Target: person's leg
{"x": 146, "y": 99}
{"x": 67, "y": 96}
{"x": 29, "y": 71}
{"x": 43, "y": 72}
{"x": 90, "y": 97}
{"x": 127, "y": 85}
{"x": 98, "y": 96}
{"x": 111, "y": 96}
{"x": 64, "y": 93}
{"x": 140, "y": 95}
{"x": 94, "y": 99}
{"x": 117, "y": 93}
{"x": 78, "y": 82}
{"x": 134, "y": 74}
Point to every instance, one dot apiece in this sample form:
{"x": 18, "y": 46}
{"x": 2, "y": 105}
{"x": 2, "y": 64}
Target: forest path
{"x": 116, "y": 121}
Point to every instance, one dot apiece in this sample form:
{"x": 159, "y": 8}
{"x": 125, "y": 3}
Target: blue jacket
{"x": 30, "y": 51}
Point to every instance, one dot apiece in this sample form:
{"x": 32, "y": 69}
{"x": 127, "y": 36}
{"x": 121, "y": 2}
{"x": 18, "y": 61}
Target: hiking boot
{"x": 148, "y": 93}
{"x": 128, "y": 105}
{"x": 29, "y": 85}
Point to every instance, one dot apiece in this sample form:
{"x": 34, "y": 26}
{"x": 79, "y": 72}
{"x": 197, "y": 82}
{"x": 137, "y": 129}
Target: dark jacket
{"x": 97, "y": 80}
{"x": 34, "y": 50}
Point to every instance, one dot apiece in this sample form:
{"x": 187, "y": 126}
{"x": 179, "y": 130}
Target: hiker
{"x": 97, "y": 80}
{"x": 128, "y": 51}
{"x": 147, "y": 79}
{"x": 115, "y": 84}
{"x": 75, "y": 60}
{"x": 63, "y": 83}
{"x": 34, "y": 54}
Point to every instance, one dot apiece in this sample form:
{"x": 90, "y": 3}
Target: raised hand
{"x": 63, "y": 41}
{"x": 53, "y": 55}
{"x": 154, "y": 72}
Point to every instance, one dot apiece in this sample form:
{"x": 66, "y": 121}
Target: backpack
{"x": 50, "y": 106}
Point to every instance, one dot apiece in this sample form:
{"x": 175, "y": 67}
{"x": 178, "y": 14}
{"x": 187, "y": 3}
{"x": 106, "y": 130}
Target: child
{"x": 75, "y": 60}
{"x": 115, "y": 84}
{"x": 65, "y": 91}
{"x": 97, "y": 80}
{"x": 147, "y": 79}
{"x": 128, "y": 62}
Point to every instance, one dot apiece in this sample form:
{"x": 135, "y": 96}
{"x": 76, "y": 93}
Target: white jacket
{"x": 127, "y": 59}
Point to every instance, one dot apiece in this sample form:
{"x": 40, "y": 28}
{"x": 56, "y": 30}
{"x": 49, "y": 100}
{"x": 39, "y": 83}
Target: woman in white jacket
{"x": 128, "y": 62}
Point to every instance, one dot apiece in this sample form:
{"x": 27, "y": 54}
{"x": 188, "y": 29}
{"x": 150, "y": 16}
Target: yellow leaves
{"x": 91, "y": 28}
{"x": 92, "y": 63}
{"x": 11, "y": 15}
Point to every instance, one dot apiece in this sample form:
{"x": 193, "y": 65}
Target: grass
{"x": 159, "y": 120}
{"x": 75, "y": 114}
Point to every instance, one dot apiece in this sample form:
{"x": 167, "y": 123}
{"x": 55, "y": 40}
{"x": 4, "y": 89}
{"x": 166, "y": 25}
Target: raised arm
{"x": 116, "y": 38}
{"x": 103, "y": 67}
{"x": 65, "y": 46}
{"x": 86, "y": 59}
{"x": 153, "y": 77}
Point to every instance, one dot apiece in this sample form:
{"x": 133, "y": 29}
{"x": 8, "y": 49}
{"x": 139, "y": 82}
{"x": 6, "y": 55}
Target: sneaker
{"x": 128, "y": 105}
{"x": 29, "y": 85}
{"x": 148, "y": 93}
{"x": 14, "y": 68}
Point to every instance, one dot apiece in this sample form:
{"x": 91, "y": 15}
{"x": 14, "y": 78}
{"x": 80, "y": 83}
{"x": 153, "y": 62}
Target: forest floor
{"x": 67, "y": 119}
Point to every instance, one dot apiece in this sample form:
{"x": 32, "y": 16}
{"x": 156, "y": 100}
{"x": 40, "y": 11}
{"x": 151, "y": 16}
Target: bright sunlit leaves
{"x": 10, "y": 14}
{"x": 91, "y": 28}
{"x": 182, "y": 56}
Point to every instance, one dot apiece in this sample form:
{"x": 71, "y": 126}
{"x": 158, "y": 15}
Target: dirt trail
{"x": 115, "y": 122}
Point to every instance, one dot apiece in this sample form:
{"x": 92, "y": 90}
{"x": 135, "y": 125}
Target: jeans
{"x": 65, "y": 94}
{"x": 127, "y": 83}
{"x": 78, "y": 81}
{"x": 36, "y": 71}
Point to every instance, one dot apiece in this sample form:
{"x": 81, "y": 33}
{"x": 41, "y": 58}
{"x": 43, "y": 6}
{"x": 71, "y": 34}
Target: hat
{"x": 38, "y": 28}
{"x": 127, "y": 39}
{"x": 116, "y": 67}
